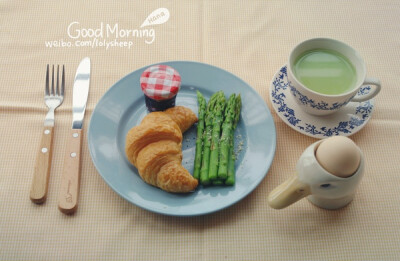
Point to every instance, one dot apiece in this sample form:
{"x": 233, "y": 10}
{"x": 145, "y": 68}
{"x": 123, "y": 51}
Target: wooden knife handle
{"x": 68, "y": 197}
{"x": 41, "y": 173}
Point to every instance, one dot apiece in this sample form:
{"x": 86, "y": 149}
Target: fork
{"x": 53, "y": 98}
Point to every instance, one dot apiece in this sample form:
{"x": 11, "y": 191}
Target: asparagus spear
{"x": 205, "y": 161}
{"x": 230, "y": 180}
{"x": 218, "y": 182}
{"x": 231, "y": 156}
{"x": 199, "y": 140}
{"x": 215, "y": 135}
{"x": 226, "y": 137}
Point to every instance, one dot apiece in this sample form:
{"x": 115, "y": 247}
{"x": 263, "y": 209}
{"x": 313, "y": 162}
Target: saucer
{"x": 345, "y": 122}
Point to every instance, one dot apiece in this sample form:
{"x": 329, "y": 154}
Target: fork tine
{"x": 58, "y": 85}
{"x": 52, "y": 82}
{"x": 62, "y": 81}
{"x": 47, "y": 90}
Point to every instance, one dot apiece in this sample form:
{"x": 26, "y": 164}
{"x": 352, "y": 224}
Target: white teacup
{"x": 317, "y": 103}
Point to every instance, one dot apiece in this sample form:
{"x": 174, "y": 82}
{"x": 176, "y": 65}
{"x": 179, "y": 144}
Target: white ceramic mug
{"x": 323, "y": 104}
{"x": 321, "y": 188}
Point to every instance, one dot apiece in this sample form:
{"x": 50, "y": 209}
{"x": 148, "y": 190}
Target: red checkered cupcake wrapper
{"x": 160, "y": 82}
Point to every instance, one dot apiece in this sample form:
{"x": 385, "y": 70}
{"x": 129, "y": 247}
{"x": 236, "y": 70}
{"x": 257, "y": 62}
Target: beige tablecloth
{"x": 251, "y": 39}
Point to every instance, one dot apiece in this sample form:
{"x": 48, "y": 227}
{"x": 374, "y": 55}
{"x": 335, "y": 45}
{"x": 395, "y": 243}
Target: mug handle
{"x": 363, "y": 97}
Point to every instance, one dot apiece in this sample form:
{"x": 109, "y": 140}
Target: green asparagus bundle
{"x": 215, "y": 159}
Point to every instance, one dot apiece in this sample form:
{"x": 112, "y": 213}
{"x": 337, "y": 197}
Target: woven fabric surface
{"x": 251, "y": 39}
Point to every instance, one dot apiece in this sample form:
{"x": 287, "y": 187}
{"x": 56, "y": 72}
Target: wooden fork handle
{"x": 41, "y": 173}
{"x": 68, "y": 197}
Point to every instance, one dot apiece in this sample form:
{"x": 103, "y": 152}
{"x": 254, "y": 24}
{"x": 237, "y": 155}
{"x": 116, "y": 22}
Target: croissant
{"x": 154, "y": 147}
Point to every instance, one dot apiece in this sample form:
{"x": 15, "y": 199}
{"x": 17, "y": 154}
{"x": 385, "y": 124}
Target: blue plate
{"x": 123, "y": 107}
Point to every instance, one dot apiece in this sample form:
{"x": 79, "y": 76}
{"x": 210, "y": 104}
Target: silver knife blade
{"x": 80, "y": 93}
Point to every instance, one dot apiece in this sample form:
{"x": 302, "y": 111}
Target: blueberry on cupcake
{"x": 160, "y": 85}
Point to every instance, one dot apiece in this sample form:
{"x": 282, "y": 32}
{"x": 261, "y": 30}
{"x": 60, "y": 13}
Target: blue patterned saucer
{"x": 345, "y": 122}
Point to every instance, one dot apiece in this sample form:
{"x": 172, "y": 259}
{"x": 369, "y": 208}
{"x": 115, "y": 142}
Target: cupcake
{"x": 160, "y": 85}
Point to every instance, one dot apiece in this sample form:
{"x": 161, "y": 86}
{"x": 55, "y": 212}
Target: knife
{"x": 68, "y": 197}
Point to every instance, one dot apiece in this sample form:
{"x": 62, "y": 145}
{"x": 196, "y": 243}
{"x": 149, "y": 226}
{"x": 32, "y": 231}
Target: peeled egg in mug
{"x": 339, "y": 156}
{"x": 327, "y": 174}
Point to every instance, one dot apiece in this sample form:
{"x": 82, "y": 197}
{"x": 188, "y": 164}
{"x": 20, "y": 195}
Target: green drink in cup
{"x": 325, "y": 71}
{"x": 326, "y": 74}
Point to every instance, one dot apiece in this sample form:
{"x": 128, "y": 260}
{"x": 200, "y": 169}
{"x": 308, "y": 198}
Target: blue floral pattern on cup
{"x": 313, "y": 104}
{"x": 280, "y": 83}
